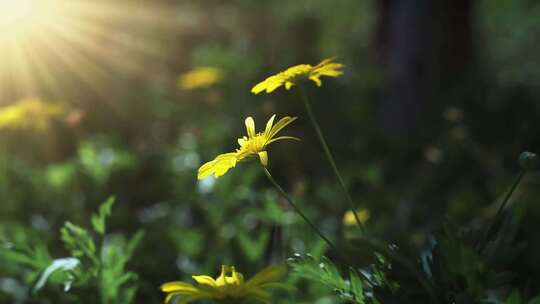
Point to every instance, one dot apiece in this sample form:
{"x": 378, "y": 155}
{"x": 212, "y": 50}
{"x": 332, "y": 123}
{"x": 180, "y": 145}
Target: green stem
{"x": 484, "y": 240}
{"x": 328, "y": 154}
{"x": 295, "y": 207}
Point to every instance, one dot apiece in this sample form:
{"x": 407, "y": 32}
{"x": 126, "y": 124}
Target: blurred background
{"x": 129, "y": 98}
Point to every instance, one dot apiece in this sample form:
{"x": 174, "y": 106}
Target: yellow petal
{"x": 261, "y": 86}
{"x": 289, "y": 85}
{"x": 220, "y": 281}
{"x": 242, "y": 141}
{"x": 282, "y": 137}
{"x": 325, "y": 61}
{"x": 282, "y": 123}
{"x": 170, "y": 296}
{"x": 273, "y": 86}
{"x": 269, "y": 84}
{"x": 187, "y": 297}
{"x": 250, "y": 126}
{"x": 331, "y": 71}
{"x": 229, "y": 276}
{"x": 269, "y": 124}
{"x": 178, "y": 287}
{"x": 316, "y": 80}
{"x": 242, "y": 153}
{"x": 263, "y": 157}
{"x": 226, "y": 276}
{"x": 219, "y": 166}
{"x": 205, "y": 280}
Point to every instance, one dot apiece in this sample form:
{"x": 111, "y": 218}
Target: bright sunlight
{"x": 34, "y": 31}
{"x": 77, "y": 39}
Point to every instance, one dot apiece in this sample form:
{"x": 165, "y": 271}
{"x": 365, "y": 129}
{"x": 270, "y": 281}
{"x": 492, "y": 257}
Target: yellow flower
{"x": 292, "y": 75}
{"x": 229, "y": 286}
{"x": 349, "y": 219}
{"x": 31, "y": 114}
{"x": 254, "y": 144}
{"x": 202, "y": 77}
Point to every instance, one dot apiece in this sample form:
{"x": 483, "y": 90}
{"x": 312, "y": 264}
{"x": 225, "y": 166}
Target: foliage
{"x": 457, "y": 268}
{"x": 325, "y": 272}
{"x": 95, "y": 265}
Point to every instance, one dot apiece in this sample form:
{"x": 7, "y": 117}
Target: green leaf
{"x": 514, "y": 298}
{"x": 356, "y": 286}
{"x": 117, "y": 285}
{"x": 98, "y": 220}
{"x": 133, "y": 243}
{"x": 77, "y": 240}
{"x": 326, "y": 273}
{"x": 20, "y": 246}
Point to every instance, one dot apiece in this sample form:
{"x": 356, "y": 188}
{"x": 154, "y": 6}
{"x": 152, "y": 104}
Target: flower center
{"x": 256, "y": 144}
{"x": 229, "y": 277}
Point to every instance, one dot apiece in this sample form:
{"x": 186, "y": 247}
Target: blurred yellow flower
{"x": 29, "y": 114}
{"x": 349, "y": 219}
{"x": 202, "y": 77}
{"x": 254, "y": 144}
{"x": 292, "y": 75}
{"x": 229, "y": 286}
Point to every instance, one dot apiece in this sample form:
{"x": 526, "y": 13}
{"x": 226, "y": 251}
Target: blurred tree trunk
{"x": 426, "y": 50}
{"x": 422, "y": 46}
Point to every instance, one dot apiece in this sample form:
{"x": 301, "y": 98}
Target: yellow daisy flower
{"x": 292, "y": 75}
{"x": 350, "y": 220}
{"x": 202, "y": 77}
{"x": 29, "y": 114}
{"x": 254, "y": 144}
{"x": 229, "y": 286}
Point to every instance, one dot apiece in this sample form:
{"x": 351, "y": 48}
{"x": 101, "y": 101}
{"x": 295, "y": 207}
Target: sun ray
{"x": 43, "y": 41}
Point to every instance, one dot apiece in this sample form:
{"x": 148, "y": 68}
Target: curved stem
{"x": 484, "y": 240}
{"x": 328, "y": 154}
{"x": 295, "y": 207}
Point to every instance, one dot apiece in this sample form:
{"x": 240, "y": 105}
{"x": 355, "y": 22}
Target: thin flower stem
{"x": 328, "y": 154}
{"x": 374, "y": 243}
{"x": 484, "y": 240}
{"x": 295, "y": 207}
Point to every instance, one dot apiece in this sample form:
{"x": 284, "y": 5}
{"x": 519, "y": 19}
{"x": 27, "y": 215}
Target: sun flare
{"x": 22, "y": 17}
{"x": 13, "y": 11}
{"x": 48, "y": 45}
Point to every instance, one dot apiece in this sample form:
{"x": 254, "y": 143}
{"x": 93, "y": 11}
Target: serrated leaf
{"x": 326, "y": 273}
{"x": 98, "y": 220}
{"x": 77, "y": 240}
{"x": 116, "y": 283}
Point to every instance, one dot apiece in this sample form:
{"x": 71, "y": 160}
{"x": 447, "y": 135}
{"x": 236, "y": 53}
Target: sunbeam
{"x": 46, "y": 42}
